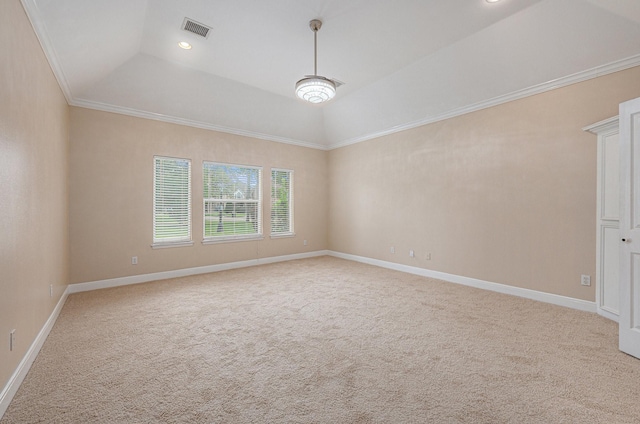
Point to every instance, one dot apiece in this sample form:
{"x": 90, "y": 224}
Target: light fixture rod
{"x": 314, "y": 88}
{"x": 315, "y": 25}
{"x": 315, "y": 52}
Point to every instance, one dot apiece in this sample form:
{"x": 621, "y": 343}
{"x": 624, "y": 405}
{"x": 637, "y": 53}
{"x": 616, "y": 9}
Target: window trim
{"x": 172, "y": 242}
{"x": 169, "y": 244}
{"x": 240, "y": 237}
{"x": 291, "y": 232}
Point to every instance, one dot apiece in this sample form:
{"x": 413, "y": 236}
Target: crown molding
{"x": 598, "y": 71}
{"x": 33, "y": 14}
{"x": 104, "y": 107}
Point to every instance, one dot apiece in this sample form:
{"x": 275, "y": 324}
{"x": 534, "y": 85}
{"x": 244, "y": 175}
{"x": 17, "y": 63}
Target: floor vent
{"x": 196, "y": 27}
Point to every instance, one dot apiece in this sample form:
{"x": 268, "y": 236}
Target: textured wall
{"x": 506, "y": 194}
{"x": 111, "y": 194}
{"x": 33, "y": 186}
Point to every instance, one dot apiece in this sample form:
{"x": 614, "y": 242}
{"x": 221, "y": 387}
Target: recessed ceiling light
{"x": 184, "y": 45}
{"x": 493, "y": 1}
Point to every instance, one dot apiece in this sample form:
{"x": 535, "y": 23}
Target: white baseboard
{"x": 569, "y": 302}
{"x": 23, "y": 368}
{"x": 145, "y": 278}
{"x": 12, "y": 386}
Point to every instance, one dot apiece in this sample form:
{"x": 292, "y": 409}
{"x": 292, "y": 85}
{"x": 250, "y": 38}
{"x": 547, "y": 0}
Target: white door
{"x": 630, "y": 227}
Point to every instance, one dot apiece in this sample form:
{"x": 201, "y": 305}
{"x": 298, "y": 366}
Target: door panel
{"x": 611, "y": 179}
{"x": 610, "y": 296}
{"x": 629, "y": 140}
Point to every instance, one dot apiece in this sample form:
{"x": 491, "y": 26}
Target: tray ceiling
{"x": 405, "y": 63}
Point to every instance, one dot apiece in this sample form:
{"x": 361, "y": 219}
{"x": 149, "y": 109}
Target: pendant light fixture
{"x": 315, "y": 88}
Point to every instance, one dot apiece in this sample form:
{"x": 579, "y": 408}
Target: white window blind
{"x": 281, "y": 202}
{"x": 171, "y": 200}
{"x": 232, "y": 201}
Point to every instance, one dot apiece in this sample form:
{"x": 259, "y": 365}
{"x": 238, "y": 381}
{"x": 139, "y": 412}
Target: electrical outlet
{"x": 585, "y": 280}
{"x": 134, "y": 260}
{"x": 50, "y": 290}
{"x": 428, "y": 256}
{"x": 393, "y": 249}
{"x": 412, "y": 253}
{"x": 305, "y": 242}
{"x": 12, "y": 339}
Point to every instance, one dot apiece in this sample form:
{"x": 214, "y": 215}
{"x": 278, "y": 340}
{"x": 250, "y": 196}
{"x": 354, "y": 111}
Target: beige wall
{"x": 33, "y": 186}
{"x": 111, "y": 194}
{"x": 506, "y": 194}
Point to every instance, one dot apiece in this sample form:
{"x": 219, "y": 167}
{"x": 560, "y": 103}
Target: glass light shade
{"x": 315, "y": 89}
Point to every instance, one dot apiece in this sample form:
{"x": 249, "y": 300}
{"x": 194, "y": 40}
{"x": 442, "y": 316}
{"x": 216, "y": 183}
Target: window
{"x": 232, "y": 202}
{"x": 171, "y": 201}
{"x": 281, "y": 202}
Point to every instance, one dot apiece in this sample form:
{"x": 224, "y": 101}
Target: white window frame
{"x": 162, "y": 242}
{"x": 290, "y": 232}
{"x": 238, "y": 237}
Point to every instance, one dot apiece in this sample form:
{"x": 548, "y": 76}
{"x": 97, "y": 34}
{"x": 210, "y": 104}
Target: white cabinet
{"x": 608, "y": 218}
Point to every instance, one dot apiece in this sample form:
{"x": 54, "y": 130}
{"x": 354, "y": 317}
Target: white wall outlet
{"x": 412, "y": 253}
{"x": 12, "y": 339}
{"x": 305, "y": 242}
{"x": 585, "y": 280}
{"x": 134, "y": 260}
{"x": 50, "y": 290}
{"x": 393, "y": 249}
{"x": 428, "y": 256}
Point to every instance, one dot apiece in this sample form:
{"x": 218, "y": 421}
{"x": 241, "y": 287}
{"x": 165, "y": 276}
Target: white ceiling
{"x": 404, "y": 62}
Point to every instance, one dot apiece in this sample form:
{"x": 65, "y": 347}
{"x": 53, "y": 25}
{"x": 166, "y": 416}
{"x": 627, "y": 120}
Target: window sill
{"x": 169, "y": 244}
{"x": 282, "y": 235}
{"x": 219, "y": 240}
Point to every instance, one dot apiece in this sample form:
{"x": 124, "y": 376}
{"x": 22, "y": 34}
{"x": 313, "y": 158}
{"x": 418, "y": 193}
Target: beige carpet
{"x": 324, "y": 341}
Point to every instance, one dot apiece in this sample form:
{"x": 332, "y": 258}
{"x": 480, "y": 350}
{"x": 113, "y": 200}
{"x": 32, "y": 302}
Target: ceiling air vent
{"x": 196, "y": 27}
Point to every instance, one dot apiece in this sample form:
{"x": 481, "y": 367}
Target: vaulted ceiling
{"x": 404, "y": 62}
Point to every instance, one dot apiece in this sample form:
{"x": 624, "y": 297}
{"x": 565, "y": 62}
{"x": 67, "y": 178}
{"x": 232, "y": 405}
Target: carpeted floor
{"x": 324, "y": 341}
